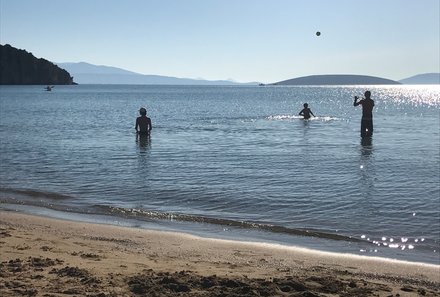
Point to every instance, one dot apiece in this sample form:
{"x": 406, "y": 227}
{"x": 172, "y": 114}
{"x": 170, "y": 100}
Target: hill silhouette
{"x": 422, "y": 79}
{"x": 83, "y": 67}
{"x": 18, "y": 67}
{"x": 86, "y": 73}
{"x": 338, "y": 79}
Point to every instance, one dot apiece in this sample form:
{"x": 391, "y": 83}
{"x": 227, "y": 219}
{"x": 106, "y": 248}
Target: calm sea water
{"x": 232, "y": 162}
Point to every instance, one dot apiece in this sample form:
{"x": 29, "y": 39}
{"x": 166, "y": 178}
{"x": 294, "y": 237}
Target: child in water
{"x": 143, "y": 123}
{"x": 306, "y": 112}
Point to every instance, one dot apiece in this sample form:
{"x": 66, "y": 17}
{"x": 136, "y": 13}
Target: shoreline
{"x": 42, "y": 255}
{"x": 161, "y": 223}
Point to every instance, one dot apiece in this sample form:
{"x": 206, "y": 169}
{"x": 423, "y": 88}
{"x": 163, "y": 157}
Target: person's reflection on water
{"x": 143, "y": 140}
{"x": 143, "y": 150}
{"x": 366, "y": 160}
{"x": 306, "y": 126}
{"x": 367, "y": 145}
{"x": 368, "y": 195}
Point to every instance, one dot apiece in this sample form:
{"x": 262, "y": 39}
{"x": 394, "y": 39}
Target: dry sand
{"x": 49, "y": 257}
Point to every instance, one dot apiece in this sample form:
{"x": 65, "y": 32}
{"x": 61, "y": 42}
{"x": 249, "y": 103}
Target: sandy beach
{"x": 49, "y": 257}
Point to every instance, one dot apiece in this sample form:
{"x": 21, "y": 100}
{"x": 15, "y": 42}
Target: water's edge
{"x": 215, "y": 228}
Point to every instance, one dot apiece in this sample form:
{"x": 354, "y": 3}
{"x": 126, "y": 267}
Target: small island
{"x": 337, "y": 79}
{"x": 18, "y": 67}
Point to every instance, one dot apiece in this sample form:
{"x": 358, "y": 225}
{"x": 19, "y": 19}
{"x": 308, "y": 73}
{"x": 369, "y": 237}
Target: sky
{"x": 243, "y": 40}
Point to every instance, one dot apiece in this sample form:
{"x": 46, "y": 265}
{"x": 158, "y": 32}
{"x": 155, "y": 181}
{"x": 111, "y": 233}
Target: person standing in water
{"x": 306, "y": 112}
{"x": 143, "y": 123}
{"x": 367, "y": 114}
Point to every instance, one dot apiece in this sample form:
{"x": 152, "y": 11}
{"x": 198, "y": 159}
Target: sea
{"x": 232, "y": 162}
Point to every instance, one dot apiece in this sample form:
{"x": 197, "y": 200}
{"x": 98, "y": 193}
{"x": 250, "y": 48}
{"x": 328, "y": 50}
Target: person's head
{"x": 306, "y": 105}
{"x": 143, "y": 111}
{"x": 367, "y": 94}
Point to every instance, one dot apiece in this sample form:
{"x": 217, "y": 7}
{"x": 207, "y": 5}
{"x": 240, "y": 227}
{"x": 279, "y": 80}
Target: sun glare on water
{"x": 418, "y": 95}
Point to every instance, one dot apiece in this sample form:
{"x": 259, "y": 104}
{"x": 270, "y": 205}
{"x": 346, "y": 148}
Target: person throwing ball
{"x": 367, "y": 114}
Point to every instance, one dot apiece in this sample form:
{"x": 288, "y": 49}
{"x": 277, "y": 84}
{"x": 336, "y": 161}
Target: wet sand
{"x": 48, "y": 257}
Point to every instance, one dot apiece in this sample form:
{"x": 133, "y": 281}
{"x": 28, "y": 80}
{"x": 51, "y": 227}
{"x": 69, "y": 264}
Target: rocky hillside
{"x": 18, "y": 67}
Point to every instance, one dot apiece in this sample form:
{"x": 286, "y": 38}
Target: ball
{"x": 318, "y": 33}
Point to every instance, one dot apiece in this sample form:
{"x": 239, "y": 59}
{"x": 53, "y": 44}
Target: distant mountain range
{"x": 85, "y": 73}
{"x": 20, "y": 67}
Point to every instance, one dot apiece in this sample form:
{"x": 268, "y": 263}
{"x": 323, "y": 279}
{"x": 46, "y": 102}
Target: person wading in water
{"x": 367, "y": 114}
{"x": 143, "y": 123}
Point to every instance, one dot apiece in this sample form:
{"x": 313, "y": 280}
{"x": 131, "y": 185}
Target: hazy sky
{"x": 244, "y": 40}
